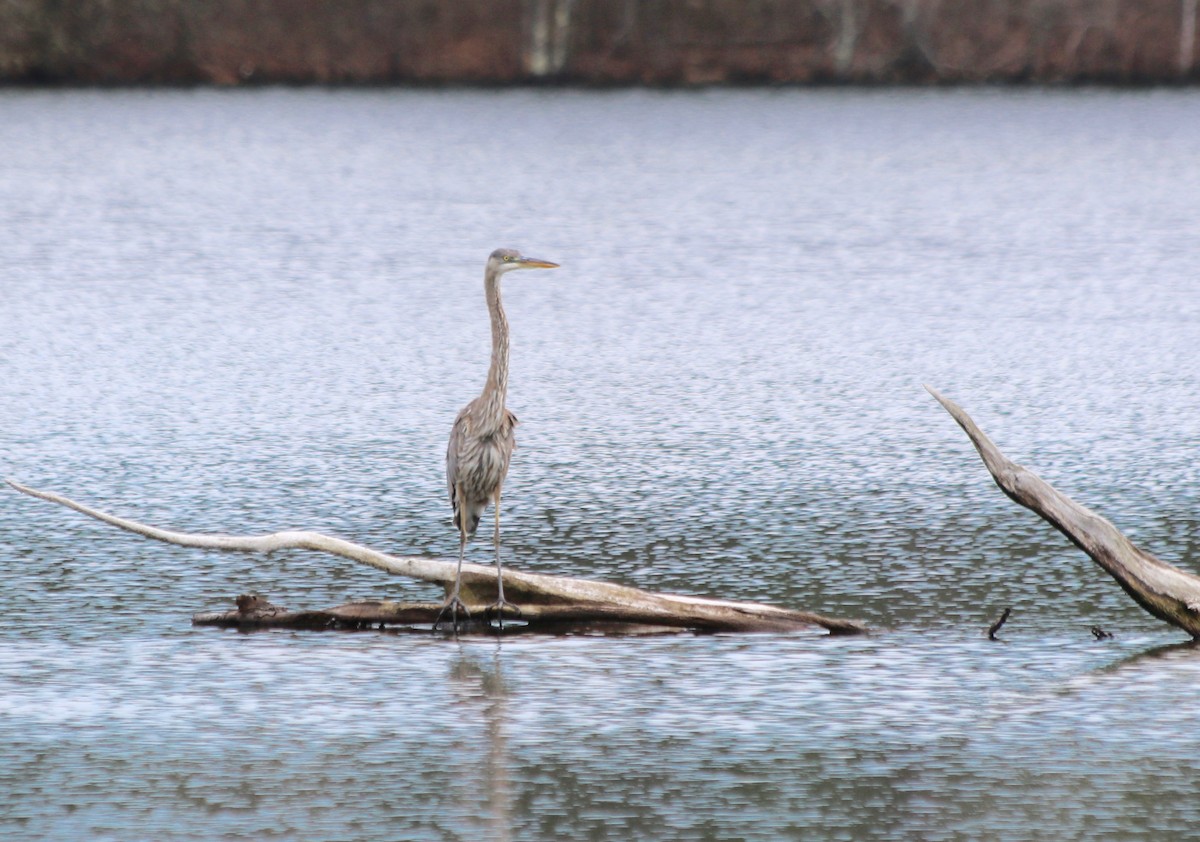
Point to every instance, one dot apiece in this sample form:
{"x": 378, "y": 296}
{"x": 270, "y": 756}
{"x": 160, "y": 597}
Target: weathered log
{"x": 1165, "y": 591}
{"x": 543, "y": 600}
{"x": 255, "y": 612}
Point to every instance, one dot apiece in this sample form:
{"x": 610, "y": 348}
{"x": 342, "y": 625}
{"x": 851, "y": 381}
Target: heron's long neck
{"x": 496, "y": 389}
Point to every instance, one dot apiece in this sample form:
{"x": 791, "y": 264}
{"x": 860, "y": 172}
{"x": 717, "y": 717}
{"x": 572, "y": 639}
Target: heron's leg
{"x": 454, "y": 603}
{"x": 501, "y": 603}
{"x": 496, "y": 545}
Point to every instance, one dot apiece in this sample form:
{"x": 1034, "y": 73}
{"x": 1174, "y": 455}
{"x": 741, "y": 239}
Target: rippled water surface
{"x": 249, "y": 311}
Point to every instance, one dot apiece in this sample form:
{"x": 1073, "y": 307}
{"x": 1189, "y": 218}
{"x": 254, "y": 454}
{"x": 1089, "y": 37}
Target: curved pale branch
{"x": 425, "y": 569}
{"x": 1170, "y": 594}
{"x": 599, "y": 600}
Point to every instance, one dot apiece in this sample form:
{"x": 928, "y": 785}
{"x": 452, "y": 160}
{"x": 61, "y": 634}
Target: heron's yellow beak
{"x": 534, "y": 263}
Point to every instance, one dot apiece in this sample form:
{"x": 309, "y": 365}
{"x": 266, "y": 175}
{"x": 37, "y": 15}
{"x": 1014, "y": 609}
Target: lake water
{"x": 255, "y": 310}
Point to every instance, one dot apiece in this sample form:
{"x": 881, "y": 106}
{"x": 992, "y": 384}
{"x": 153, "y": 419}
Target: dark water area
{"x": 257, "y": 310}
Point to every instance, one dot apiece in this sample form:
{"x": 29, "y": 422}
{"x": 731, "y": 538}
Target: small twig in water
{"x": 995, "y": 627}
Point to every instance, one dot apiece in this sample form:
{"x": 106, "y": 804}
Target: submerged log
{"x": 1168, "y": 593}
{"x": 544, "y": 601}
{"x": 256, "y": 612}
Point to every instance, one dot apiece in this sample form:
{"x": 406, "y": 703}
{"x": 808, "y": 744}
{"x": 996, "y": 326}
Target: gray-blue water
{"x": 250, "y": 311}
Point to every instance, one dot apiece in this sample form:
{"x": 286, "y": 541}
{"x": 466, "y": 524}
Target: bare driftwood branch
{"x": 541, "y": 598}
{"x": 1167, "y": 592}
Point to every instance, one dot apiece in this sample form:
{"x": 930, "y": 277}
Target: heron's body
{"x": 477, "y": 461}
{"x": 483, "y": 437}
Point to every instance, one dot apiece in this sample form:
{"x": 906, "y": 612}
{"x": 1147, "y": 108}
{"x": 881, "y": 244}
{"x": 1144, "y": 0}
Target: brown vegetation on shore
{"x": 599, "y": 42}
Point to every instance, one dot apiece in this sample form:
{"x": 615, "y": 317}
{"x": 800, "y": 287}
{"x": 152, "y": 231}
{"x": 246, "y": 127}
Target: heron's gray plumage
{"x": 482, "y": 439}
{"x": 477, "y": 462}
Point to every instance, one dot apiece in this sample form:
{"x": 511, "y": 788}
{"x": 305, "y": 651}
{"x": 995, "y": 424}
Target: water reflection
{"x": 478, "y": 690}
{"x": 1184, "y": 651}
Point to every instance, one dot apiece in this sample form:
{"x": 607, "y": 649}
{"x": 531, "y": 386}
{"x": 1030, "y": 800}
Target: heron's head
{"x": 505, "y": 260}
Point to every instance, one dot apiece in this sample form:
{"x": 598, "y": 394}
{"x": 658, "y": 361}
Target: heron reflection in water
{"x": 482, "y": 440}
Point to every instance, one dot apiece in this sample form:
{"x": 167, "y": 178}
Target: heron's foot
{"x": 498, "y": 609}
{"x": 453, "y": 604}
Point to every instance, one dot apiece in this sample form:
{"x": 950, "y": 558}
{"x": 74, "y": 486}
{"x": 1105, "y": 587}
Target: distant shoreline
{"x": 601, "y": 43}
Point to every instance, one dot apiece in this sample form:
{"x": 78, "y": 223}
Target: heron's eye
{"x": 508, "y": 258}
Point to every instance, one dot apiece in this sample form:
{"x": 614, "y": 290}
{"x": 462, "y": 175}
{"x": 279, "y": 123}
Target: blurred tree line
{"x": 599, "y": 42}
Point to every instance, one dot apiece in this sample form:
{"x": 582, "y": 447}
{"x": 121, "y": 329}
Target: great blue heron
{"x": 482, "y": 439}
